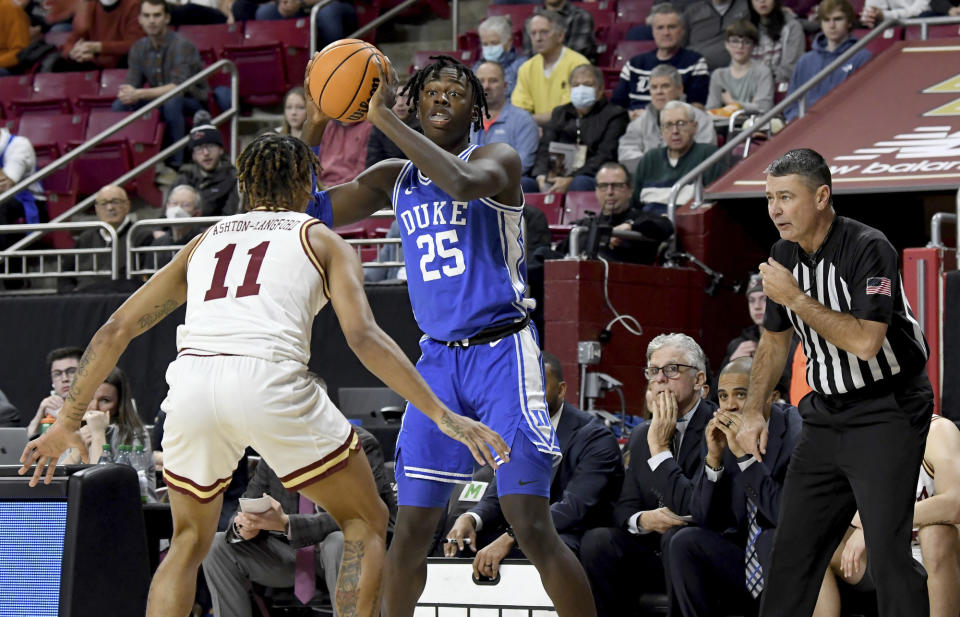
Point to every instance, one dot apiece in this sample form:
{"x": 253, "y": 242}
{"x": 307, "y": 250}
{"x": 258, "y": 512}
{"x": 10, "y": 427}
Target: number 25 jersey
{"x": 254, "y": 287}
{"x": 465, "y": 262}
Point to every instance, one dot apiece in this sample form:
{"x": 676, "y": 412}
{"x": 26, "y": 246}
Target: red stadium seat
{"x": 110, "y": 82}
{"x": 17, "y": 87}
{"x": 943, "y": 31}
{"x": 470, "y": 41}
{"x": 578, "y": 205}
{"x": 634, "y": 10}
{"x": 600, "y": 11}
{"x": 422, "y": 58}
{"x": 880, "y": 44}
{"x": 61, "y": 190}
{"x": 628, "y": 49}
{"x": 367, "y": 11}
{"x": 518, "y": 13}
{"x": 57, "y": 86}
{"x": 551, "y": 204}
{"x": 51, "y": 134}
{"x": 210, "y": 41}
{"x": 137, "y": 142}
{"x": 292, "y": 34}
{"x": 263, "y": 79}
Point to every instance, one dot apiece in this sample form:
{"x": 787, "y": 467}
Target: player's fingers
{"x": 496, "y": 442}
{"x": 494, "y": 569}
{"x": 37, "y": 473}
{"x": 473, "y": 541}
{"x": 763, "y": 440}
{"x": 51, "y": 469}
{"x": 449, "y": 549}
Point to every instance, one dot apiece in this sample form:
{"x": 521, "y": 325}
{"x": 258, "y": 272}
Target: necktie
{"x": 304, "y": 578}
{"x": 677, "y": 438}
{"x": 752, "y": 562}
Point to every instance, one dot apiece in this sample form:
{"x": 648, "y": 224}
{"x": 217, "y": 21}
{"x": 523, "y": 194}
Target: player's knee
{"x": 535, "y": 532}
{"x": 190, "y": 543}
{"x": 940, "y": 548}
{"x": 379, "y": 517}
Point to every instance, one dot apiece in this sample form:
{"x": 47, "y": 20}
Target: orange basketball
{"x": 344, "y": 77}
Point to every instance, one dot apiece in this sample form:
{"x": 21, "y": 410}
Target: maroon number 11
{"x": 250, "y": 286}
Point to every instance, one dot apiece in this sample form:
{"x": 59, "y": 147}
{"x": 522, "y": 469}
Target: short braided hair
{"x": 432, "y": 71}
{"x": 273, "y": 169}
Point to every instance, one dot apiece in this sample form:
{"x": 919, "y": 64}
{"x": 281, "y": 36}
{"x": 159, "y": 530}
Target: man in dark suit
{"x": 262, "y": 548}
{"x": 718, "y": 568}
{"x": 582, "y": 493}
{"x": 624, "y": 562}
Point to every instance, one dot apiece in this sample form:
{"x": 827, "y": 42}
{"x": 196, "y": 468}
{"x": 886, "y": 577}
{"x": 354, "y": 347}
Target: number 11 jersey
{"x": 254, "y": 287}
{"x": 465, "y": 262}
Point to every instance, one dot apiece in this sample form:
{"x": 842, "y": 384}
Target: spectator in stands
{"x": 164, "y": 60}
{"x": 496, "y": 37}
{"x": 183, "y": 201}
{"x": 114, "y": 398}
{"x": 342, "y": 151}
{"x": 936, "y": 539}
{"x": 505, "y": 123}
{"x": 836, "y": 20}
{"x": 18, "y": 161}
{"x": 781, "y": 42}
{"x": 579, "y": 32}
{"x": 103, "y": 32}
{"x": 745, "y": 84}
{"x": 214, "y": 177}
{"x": 633, "y": 91}
{"x": 113, "y": 208}
{"x": 14, "y": 34}
{"x": 379, "y": 146}
{"x": 246, "y": 552}
{"x": 707, "y": 22}
{"x": 745, "y": 345}
{"x": 875, "y": 11}
{"x": 661, "y": 168}
{"x": 582, "y": 494}
{"x": 543, "y": 80}
{"x": 644, "y": 134}
{"x": 62, "y": 364}
{"x": 665, "y": 456}
{"x": 945, "y": 7}
{"x": 9, "y": 415}
{"x": 294, "y": 112}
{"x": 334, "y": 20}
{"x": 588, "y": 127}
{"x": 616, "y": 209}
{"x": 719, "y": 566}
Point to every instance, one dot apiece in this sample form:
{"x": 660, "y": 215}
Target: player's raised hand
{"x": 385, "y": 95}
{"x": 476, "y": 436}
{"x": 45, "y": 451}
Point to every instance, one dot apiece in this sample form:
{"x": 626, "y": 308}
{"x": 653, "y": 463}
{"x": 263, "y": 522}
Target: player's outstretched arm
{"x": 163, "y": 293}
{"x": 382, "y": 356}
{"x": 943, "y": 443}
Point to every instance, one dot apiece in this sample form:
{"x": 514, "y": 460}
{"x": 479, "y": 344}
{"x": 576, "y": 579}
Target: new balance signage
{"x": 894, "y": 125}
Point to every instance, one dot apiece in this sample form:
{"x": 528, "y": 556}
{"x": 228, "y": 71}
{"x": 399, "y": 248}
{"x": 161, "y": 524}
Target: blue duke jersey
{"x": 466, "y": 269}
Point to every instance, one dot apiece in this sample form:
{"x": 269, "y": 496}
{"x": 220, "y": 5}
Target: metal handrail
{"x": 229, "y": 114}
{"x": 936, "y": 238}
{"x": 798, "y": 95}
{"x": 42, "y": 228}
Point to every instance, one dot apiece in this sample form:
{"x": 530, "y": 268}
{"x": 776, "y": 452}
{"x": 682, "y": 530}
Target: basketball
{"x": 344, "y": 77}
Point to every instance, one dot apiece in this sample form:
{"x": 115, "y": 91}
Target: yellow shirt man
{"x": 539, "y": 93}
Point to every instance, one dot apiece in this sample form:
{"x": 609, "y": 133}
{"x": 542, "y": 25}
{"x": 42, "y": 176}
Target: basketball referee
{"x": 835, "y": 281}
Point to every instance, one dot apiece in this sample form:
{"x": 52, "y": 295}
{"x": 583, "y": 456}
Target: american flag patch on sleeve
{"x": 878, "y": 285}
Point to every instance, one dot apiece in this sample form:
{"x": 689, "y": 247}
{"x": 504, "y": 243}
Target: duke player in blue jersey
{"x": 459, "y": 208}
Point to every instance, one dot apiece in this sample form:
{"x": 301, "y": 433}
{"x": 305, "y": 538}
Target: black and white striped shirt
{"x": 854, "y": 271}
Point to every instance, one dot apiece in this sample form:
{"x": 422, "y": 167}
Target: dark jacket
{"x": 379, "y": 146}
{"x": 722, "y": 505}
{"x": 585, "y": 485}
{"x": 600, "y": 131}
{"x": 309, "y": 529}
{"x": 672, "y": 483}
{"x": 536, "y": 230}
{"x": 218, "y": 188}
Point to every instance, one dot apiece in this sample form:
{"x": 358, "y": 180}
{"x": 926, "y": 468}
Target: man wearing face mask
{"x": 103, "y": 32}
{"x": 496, "y": 37}
{"x": 183, "y": 201}
{"x": 589, "y": 123}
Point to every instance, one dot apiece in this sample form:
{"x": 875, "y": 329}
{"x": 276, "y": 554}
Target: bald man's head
{"x": 112, "y": 205}
{"x": 740, "y": 366}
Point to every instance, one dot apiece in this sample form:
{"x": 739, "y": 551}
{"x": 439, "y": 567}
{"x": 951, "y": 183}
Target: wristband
{"x": 712, "y": 468}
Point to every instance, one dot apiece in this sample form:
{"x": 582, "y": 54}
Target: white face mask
{"x": 492, "y": 53}
{"x": 176, "y": 212}
{"x": 583, "y": 96}
{"x": 108, "y": 3}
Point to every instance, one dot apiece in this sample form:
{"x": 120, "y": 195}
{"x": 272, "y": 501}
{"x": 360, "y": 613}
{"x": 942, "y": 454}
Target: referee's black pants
{"x": 852, "y": 454}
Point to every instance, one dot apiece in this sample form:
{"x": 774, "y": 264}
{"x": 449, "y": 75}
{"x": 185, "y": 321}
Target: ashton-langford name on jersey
{"x": 271, "y": 224}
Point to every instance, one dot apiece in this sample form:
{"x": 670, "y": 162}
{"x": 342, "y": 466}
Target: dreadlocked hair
{"x": 273, "y": 169}
{"x": 432, "y": 71}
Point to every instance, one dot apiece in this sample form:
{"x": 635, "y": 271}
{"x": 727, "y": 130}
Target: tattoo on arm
{"x": 161, "y": 311}
{"x": 454, "y": 428}
{"x": 70, "y": 404}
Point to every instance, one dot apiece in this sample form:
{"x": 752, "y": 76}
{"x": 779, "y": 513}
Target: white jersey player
{"x": 253, "y": 284}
